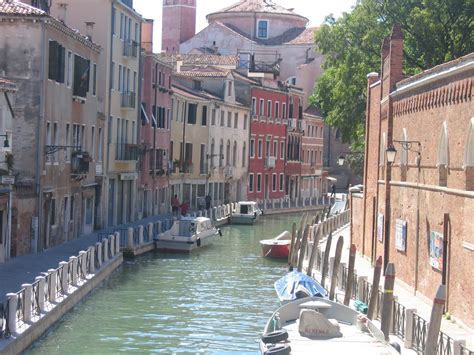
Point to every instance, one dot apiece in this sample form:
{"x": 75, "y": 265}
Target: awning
{"x": 144, "y": 116}
{"x": 330, "y": 178}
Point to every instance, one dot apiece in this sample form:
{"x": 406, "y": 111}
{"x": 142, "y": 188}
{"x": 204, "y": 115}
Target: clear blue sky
{"x": 314, "y": 10}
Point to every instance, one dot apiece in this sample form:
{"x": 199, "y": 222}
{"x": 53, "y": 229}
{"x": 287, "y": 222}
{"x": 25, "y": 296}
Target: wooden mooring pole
{"x": 375, "y": 288}
{"x": 435, "y": 321}
{"x": 335, "y": 267}
{"x": 324, "y": 272}
{"x": 292, "y": 247}
{"x": 387, "y": 304}
{"x": 314, "y": 251}
{"x": 304, "y": 244}
{"x": 350, "y": 274}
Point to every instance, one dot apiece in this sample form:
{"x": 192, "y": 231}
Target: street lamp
{"x": 406, "y": 145}
{"x": 391, "y": 153}
{"x": 340, "y": 160}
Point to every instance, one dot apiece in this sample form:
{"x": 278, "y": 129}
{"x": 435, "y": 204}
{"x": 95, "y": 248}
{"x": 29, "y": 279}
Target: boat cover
{"x": 293, "y": 284}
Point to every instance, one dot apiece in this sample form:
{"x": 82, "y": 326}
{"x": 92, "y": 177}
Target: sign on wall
{"x": 380, "y": 219}
{"x": 436, "y": 250}
{"x": 401, "y": 235}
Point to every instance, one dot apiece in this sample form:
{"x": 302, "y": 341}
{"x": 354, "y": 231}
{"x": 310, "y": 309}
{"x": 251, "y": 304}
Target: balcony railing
{"x": 270, "y": 162}
{"x": 80, "y": 163}
{"x": 130, "y": 48}
{"x": 127, "y": 151}
{"x": 128, "y": 100}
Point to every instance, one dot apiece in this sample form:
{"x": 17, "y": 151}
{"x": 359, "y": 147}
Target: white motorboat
{"x": 187, "y": 234}
{"x": 246, "y": 212}
{"x": 314, "y": 325}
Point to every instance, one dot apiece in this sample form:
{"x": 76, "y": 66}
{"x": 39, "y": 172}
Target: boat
{"x": 295, "y": 285}
{"x": 315, "y": 325}
{"x": 187, "y": 234}
{"x": 278, "y": 247}
{"x": 246, "y": 212}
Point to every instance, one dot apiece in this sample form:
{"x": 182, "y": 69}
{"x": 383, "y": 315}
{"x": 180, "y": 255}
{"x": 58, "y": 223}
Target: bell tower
{"x": 179, "y": 23}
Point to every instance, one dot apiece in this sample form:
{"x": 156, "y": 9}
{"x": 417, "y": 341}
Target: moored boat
{"x": 319, "y": 326}
{"x": 187, "y": 234}
{"x": 278, "y": 247}
{"x": 295, "y": 285}
{"x": 246, "y": 212}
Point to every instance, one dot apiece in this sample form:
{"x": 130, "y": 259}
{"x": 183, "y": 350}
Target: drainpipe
{"x": 39, "y": 151}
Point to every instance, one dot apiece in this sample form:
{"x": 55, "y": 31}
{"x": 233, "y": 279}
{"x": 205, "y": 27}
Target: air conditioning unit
{"x": 270, "y": 162}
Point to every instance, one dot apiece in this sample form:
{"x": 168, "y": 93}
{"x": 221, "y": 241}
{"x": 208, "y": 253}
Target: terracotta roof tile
{"x": 262, "y": 6}
{"x": 201, "y": 59}
{"x": 314, "y": 111}
{"x": 202, "y": 72}
{"x": 13, "y": 7}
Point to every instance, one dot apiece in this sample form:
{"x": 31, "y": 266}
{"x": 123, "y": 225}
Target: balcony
{"x": 128, "y": 100}
{"x": 229, "y": 172}
{"x": 80, "y": 163}
{"x": 270, "y": 162}
{"x": 127, "y": 151}
{"x": 130, "y": 48}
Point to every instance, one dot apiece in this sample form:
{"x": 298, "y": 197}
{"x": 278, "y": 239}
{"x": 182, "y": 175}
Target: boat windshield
{"x": 246, "y": 209}
{"x": 187, "y": 229}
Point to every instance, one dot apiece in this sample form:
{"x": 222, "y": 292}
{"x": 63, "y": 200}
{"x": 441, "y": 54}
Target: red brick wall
{"x": 357, "y": 225}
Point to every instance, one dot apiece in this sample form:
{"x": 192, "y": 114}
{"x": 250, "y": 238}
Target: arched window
{"x": 443, "y": 156}
{"x": 383, "y": 147}
{"x": 212, "y": 152}
{"x": 244, "y": 155}
{"x": 221, "y": 153}
{"x": 227, "y": 154}
{"x": 469, "y": 156}
{"x": 234, "y": 155}
{"x": 404, "y": 157}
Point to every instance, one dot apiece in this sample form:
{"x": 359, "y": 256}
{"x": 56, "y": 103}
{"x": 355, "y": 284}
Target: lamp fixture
{"x": 406, "y": 145}
{"x": 6, "y": 143}
{"x": 342, "y": 158}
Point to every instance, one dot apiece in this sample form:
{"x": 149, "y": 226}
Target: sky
{"x": 314, "y": 10}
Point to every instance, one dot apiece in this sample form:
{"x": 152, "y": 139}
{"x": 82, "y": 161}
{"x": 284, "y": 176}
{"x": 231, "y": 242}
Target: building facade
{"x": 179, "y": 23}
{"x": 116, "y": 27}
{"x": 59, "y": 131}
{"x": 415, "y": 212}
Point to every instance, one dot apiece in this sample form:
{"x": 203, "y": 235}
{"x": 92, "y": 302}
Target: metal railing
{"x": 4, "y": 330}
{"x": 465, "y": 351}
{"x": 127, "y": 151}
{"x": 445, "y": 344}
{"x": 398, "y": 320}
{"x": 420, "y": 331}
{"x": 130, "y": 48}
{"x": 20, "y": 308}
{"x": 128, "y": 99}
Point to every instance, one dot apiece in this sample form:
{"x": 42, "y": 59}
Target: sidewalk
{"x": 405, "y": 297}
{"x": 24, "y": 269}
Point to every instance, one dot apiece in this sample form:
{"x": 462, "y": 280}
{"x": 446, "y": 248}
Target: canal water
{"x": 214, "y": 301}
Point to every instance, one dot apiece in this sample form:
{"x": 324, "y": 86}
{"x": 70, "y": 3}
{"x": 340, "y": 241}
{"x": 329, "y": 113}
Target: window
{"x": 227, "y": 154}
{"x": 262, "y": 30}
{"x": 252, "y": 148}
{"x": 192, "y": 108}
{"x": 71, "y": 209}
{"x": 221, "y": 153}
{"x": 120, "y": 78}
{"x": 114, "y": 14}
{"x": 67, "y": 140}
{"x": 112, "y": 76}
{"x": 94, "y": 79}
{"x": 229, "y": 119}
{"x": 202, "y": 164}
{"x": 213, "y": 118}
{"x": 267, "y": 147}
{"x": 89, "y": 210}
{"x": 93, "y": 142}
{"x": 48, "y": 140}
{"x": 69, "y": 71}
{"x": 277, "y": 110}
{"x": 282, "y": 150}
{"x": 283, "y": 110}
{"x": 99, "y": 150}
{"x": 259, "y": 148}
{"x": 281, "y": 182}
{"x": 56, "y": 64}
{"x": 245, "y": 122}
{"x": 254, "y": 106}
{"x": 212, "y": 153}
{"x": 261, "y": 111}
{"x": 81, "y": 76}
{"x": 469, "y": 157}
{"x": 274, "y": 182}
{"x": 204, "y": 116}
{"x": 52, "y": 213}
{"x": 234, "y": 154}
{"x": 229, "y": 87}
{"x": 443, "y": 156}
{"x": 275, "y": 148}
{"x": 269, "y": 108}
{"x": 259, "y": 182}
{"x": 244, "y": 155}
{"x": 251, "y": 183}
{"x": 55, "y": 140}
{"x": 122, "y": 19}
{"x": 236, "y": 120}
{"x": 222, "y": 118}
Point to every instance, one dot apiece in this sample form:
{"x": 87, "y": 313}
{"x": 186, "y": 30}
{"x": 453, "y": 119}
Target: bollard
{"x": 409, "y": 312}
{"x": 73, "y": 266}
{"x": 457, "y": 345}
{"x": 112, "y": 245}
{"x": 98, "y": 247}
{"x": 140, "y": 234}
{"x": 214, "y": 214}
{"x": 292, "y": 245}
{"x": 324, "y": 272}
{"x": 27, "y": 304}
{"x": 350, "y": 272}
{"x": 159, "y": 227}
{"x": 12, "y": 305}
{"x": 63, "y": 280}
{"x": 40, "y": 290}
{"x": 83, "y": 257}
{"x": 375, "y": 287}
{"x": 360, "y": 286}
{"x": 387, "y": 302}
{"x": 53, "y": 280}
{"x": 91, "y": 260}
{"x": 130, "y": 238}
{"x": 435, "y": 321}
{"x": 304, "y": 244}
{"x": 314, "y": 251}
{"x": 150, "y": 232}
{"x": 105, "y": 249}
{"x": 335, "y": 267}
{"x": 117, "y": 242}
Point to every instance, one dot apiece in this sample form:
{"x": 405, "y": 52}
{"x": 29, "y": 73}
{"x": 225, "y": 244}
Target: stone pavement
{"x": 405, "y": 297}
{"x": 24, "y": 269}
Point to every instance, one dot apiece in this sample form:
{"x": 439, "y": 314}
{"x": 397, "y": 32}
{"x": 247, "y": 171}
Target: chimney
{"x": 392, "y": 60}
{"x": 179, "y": 63}
{"x": 62, "y": 12}
{"x": 89, "y": 30}
{"x": 147, "y": 35}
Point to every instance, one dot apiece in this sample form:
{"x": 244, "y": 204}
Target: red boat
{"x": 278, "y": 247}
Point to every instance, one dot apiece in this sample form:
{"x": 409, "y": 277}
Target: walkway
{"x": 405, "y": 297}
{"x": 24, "y": 269}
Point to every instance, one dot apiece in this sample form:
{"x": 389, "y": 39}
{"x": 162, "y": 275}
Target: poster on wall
{"x": 401, "y": 235}
{"x": 380, "y": 218}
{"x": 436, "y": 250}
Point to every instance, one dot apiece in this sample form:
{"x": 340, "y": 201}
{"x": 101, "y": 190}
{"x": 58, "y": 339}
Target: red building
{"x": 267, "y": 141}
{"x": 153, "y": 189}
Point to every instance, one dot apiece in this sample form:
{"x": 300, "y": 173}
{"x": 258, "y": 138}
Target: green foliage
{"x": 435, "y": 31}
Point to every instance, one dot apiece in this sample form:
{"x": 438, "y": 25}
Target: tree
{"x": 435, "y": 31}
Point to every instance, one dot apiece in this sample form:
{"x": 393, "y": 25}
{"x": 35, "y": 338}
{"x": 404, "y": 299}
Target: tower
{"x": 179, "y": 23}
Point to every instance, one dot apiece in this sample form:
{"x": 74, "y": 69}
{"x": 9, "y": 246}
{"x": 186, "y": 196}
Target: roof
{"x": 201, "y": 59}
{"x": 193, "y": 94}
{"x": 13, "y": 7}
{"x": 259, "y": 6}
{"x": 296, "y": 35}
{"x": 314, "y": 111}
{"x": 202, "y": 72}
{"x": 6, "y": 85}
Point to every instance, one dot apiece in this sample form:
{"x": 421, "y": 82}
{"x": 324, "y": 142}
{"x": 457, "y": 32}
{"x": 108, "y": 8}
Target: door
{"x": 111, "y": 203}
{"x": 266, "y": 187}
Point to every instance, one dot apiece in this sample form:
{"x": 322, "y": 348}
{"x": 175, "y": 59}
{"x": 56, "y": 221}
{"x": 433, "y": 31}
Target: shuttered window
{"x": 56, "y": 65}
{"x": 81, "y": 76}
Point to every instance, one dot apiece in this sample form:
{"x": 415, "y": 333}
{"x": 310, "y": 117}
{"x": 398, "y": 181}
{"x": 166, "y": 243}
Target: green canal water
{"x": 214, "y": 301}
